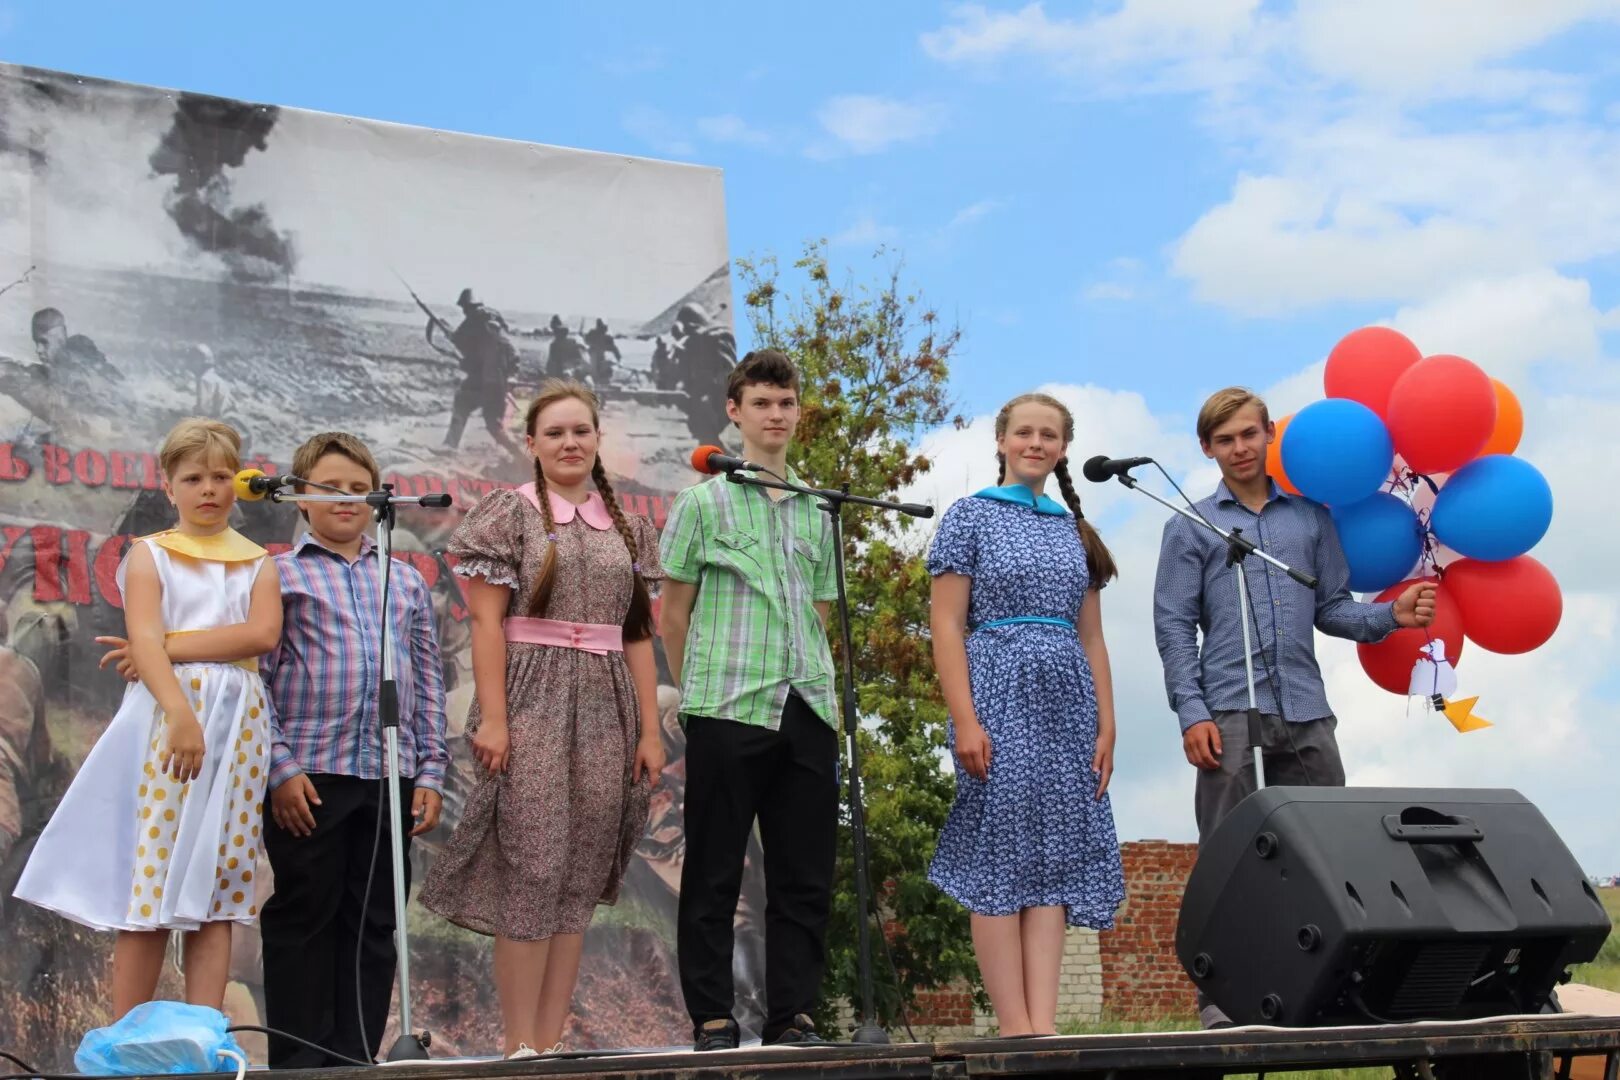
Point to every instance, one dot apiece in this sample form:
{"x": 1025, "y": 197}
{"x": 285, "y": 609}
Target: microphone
{"x": 1102, "y": 468}
{"x": 712, "y": 459}
{"x": 253, "y": 484}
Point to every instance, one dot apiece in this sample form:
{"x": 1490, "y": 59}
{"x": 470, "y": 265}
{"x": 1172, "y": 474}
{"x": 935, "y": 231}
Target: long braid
{"x": 548, "y": 564}
{"x": 638, "y": 619}
{"x": 1001, "y": 470}
{"x": 1099, "y": 561}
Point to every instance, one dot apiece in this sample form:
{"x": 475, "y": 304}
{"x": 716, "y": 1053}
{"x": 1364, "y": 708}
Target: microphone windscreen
{"x": 244, "y": 484}
{"x": 700, "y": 458}
{"x": 1096, "y": 469}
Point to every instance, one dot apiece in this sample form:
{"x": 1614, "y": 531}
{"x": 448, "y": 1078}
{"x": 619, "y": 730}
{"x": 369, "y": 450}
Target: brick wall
{"x": 1129, "y": 972}
{"x": 1141, "y": 979}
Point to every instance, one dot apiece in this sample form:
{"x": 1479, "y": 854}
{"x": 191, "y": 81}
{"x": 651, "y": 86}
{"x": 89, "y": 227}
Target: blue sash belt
{"x": 1023, "y": 619}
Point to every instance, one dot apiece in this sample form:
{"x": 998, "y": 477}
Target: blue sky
{"x": 1135, "y": 202}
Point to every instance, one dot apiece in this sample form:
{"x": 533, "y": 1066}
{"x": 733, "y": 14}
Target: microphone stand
{"x": 409, "y": 1046}
{"x": 832, "y": 503}
{"x": 1238, "y": 548}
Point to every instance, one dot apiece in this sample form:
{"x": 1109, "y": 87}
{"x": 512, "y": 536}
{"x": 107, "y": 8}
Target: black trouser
{"x": 313, "y": 924}
{"x": 789, "y": 779}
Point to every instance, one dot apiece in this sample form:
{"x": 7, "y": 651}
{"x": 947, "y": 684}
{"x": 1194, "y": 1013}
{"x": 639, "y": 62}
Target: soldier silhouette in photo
{"x": 72, "y": 376}
{"x": 489, "y": 360}
{"x": 664, "y": 375}
{"x": 599, "y": 342}
{"x": 566, "y": 358}
{"x": 705, "y": 352}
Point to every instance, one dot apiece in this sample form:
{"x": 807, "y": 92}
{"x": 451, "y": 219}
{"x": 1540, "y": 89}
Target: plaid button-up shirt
{"x": 323, "y": 677}
{"x": 760, "y": 567}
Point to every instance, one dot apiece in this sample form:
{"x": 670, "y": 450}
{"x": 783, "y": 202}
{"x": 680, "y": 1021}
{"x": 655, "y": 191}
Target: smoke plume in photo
{"x": 210, "y": 137}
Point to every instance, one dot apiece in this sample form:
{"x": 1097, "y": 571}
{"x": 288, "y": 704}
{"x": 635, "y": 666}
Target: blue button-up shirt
{"x": 323, "y": 677}
{"x": 1196, "y": 592}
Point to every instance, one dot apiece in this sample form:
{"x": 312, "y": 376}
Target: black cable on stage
{"x": 294, "y": 1038}
{"x": 17, "y": 1061}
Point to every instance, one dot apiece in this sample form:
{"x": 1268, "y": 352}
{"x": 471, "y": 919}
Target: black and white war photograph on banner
{"x": 165, "y": 255}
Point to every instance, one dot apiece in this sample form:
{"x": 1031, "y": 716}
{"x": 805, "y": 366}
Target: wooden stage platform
{"x": 1575, "y": 1046}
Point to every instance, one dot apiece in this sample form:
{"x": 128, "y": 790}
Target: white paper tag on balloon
{"x": 1433, "y": 673}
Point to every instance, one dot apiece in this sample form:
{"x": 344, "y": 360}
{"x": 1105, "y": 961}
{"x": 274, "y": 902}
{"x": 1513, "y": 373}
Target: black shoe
{"x": 803, "y": 1032}
{"x": 717, "y": 1035}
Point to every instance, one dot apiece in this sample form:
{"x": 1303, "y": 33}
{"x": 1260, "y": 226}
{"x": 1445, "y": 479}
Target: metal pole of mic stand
{"x": 1234, "y": 559}
{"x": 409, "y": 1046}
{"x": 1238, "y": 548}
{"x": 869, "y": 1032}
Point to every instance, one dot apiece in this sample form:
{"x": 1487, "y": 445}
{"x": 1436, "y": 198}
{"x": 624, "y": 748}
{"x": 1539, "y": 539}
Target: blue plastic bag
{"x": 159, "y": 1037}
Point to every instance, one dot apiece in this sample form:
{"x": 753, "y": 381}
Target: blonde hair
{"x": 196, "y": 436}
{"x": 638, "y": 623}
{"x": 1099, "y": 561}
{"x": 1225, "y": 404}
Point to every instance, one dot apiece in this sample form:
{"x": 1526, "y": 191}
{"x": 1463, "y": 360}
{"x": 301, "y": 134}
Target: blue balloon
{"x": 1337, "y": 451}
{"x": 1381, "y": 538}
{"x": 1493, "y": 509}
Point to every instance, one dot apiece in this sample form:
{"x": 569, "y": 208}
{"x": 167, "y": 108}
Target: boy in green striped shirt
{"x": 744, "y": 612}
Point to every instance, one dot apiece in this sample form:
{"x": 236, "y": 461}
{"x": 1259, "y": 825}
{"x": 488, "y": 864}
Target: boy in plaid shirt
{"x": 750, "y": 576}
{"x": 327, "y": 765}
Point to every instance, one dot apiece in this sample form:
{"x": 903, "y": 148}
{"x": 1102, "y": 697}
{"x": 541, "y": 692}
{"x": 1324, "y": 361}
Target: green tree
{"x": 874, "y": 360}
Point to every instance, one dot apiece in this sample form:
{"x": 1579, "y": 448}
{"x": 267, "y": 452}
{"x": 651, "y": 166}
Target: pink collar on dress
{"x": 594, "y": 511}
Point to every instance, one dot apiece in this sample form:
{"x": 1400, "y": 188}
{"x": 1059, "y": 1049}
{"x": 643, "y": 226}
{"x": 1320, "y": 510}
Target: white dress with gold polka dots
{"x": 129, "y": 848}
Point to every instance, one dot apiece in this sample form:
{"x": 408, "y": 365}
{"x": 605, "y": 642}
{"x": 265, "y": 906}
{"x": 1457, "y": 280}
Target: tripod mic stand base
{"x": 869, "y": 1034}
{"x": 409, "y": 1047}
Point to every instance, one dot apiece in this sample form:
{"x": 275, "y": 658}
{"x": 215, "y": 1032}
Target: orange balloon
{"x": 1274, "y": 465}
{"x": 1509, "y": 422}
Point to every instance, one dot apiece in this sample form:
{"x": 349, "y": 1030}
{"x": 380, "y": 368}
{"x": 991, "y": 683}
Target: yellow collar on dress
{"x": 228, "y": 546}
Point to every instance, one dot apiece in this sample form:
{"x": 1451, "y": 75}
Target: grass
{"x": 1604, "y": 972}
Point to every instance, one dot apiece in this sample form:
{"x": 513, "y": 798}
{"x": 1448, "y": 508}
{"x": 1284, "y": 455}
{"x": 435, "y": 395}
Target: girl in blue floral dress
{"x": 1029, "y": 846}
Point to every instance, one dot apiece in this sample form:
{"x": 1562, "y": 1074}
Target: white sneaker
{"x": 523, "y": 1053}
{"x": 552, "y": 1050}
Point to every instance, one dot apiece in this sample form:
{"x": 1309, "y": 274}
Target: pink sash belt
{"x": 598, "y": 638}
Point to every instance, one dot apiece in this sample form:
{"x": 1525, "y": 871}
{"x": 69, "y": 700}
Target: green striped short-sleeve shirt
{"x": 760, "y": 567}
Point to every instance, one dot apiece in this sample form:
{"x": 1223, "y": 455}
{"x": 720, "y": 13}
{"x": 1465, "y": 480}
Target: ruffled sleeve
{"x": 955, "y": 547}
{"x": 488, "y": 543}
{"x": 646, "y": 535}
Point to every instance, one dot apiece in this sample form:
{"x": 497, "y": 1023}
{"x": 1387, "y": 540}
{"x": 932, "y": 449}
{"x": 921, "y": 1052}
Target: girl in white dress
{"x": 160, "y": 828}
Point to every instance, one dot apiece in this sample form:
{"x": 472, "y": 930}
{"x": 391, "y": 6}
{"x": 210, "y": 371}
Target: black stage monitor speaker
{"x": 1313, "y": 906}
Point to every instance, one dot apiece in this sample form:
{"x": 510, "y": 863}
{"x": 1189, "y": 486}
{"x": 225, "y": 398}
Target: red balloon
{"x": 1365, "y": 363}
{"x": 1441, "y": 413}
{"x": 1507, "y": 607}
{"x": 1389, "y": 662}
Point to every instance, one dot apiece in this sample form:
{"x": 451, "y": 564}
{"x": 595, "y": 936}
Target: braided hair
{"x": 638, "y": 625}
{"x": 1099, "y": 561}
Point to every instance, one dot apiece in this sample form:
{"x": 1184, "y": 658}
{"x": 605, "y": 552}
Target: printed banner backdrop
{"x": 165, "y": 254}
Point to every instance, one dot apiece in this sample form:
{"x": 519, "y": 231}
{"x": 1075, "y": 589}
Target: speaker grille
{"x": 1437, "y": 978}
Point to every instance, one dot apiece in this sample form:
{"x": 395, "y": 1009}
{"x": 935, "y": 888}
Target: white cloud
{"x": 865, "y": 232}
{"x": 1108, "y": 290}
{"x": 1399, "y": 47}
{"x": 973, "y": 212}
{"x": 1347, "y": 192}
{"x": 866, "y": 124}
{"x": 1122, "y": 281}
{"x": 658, "y": 130}
{"x": 730, "y": 128}
{"x": 1192, "y": 39}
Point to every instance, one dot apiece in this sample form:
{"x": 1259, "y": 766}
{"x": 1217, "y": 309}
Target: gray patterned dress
{"x": 539, "y": 846}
